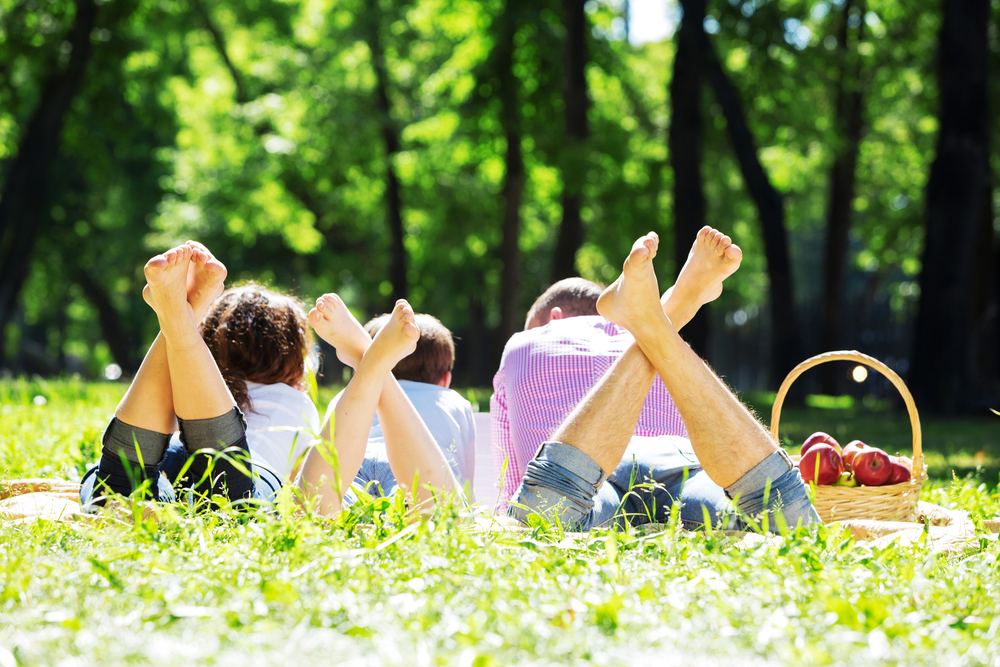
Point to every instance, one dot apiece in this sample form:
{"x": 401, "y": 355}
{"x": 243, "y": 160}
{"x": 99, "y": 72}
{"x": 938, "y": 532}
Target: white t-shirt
{"x": 281, "y": 424}
{"x": 448, "y": 417}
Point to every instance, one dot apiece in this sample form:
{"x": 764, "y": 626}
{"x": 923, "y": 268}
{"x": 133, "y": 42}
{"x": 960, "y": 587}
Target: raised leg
{"x": 604, "y": 421}
{"x": 145, "y": 416}
{"x": 727, "y": 439}
{"x": 412, "y": 452}
{"x": 205, "y": 408}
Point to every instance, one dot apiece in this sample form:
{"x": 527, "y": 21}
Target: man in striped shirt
{"x": 548, "y": 368}
{"x": 621, "y": 452}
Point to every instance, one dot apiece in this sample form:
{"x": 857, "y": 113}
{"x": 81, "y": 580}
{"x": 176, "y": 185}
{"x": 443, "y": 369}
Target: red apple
{"x": 872, "y": 466}
{"x": 851, "y": 450}
{"x": 900, "y": 473}
{"x": 819, "y": 438}
{"x": 822, "y": 464}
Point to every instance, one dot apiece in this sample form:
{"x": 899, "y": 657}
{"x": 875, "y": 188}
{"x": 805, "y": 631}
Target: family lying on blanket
{"x": 601, "y": 413}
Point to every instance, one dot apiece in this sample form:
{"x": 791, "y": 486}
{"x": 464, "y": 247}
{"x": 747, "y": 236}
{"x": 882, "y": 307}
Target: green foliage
{"x": 255, "y": 127}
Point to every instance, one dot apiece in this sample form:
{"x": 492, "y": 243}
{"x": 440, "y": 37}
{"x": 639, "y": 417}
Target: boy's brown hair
{"x": 435, "y": 353}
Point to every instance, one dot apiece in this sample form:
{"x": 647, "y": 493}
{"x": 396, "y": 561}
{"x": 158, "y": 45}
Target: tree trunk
{"x": 390, "y": 135}
{"x": 574, "y": 163}
{"x": 956, "y": 194}
{"x": 848, "y": 124}
{"x": 785, "y": 341}
{"x": 24, "y": 196}
{"x": 685, "y": 142}
{"x": 513, "y": 187}
{"x": 112, "y": 327}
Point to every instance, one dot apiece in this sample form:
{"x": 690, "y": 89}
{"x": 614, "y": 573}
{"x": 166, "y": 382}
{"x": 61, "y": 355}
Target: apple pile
{"x": 822, "y": 461}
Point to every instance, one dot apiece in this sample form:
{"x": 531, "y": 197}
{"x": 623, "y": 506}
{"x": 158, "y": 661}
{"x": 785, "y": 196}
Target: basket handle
{"x": 854, "y": 355}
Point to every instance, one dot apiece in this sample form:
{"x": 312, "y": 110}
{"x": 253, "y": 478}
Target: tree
{"x": 574, "y": 162}
{"x": 785, "y": 340}
{"x": 514, "y": 177}
{"x": 848, "y": 123}
{"x": 25, "y": 188}
{"x": 685, "y": 142}
{"x": 957, "y": 192}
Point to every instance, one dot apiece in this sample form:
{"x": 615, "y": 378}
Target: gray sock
{"x": 214, "y": 432}
{"x": 121, "y": 438}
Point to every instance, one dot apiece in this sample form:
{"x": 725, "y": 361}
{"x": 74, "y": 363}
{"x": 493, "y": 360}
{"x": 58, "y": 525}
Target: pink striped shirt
{"x": 544, "y": 373}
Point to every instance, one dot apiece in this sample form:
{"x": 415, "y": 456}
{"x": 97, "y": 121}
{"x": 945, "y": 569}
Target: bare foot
{"x": 712, "y": 259}
{"x": 206, "y": 279}
{"x": 333, "y": 322}
{"x": 397, "y": 339}
{"x": 166, "y": 292}
{"x": 628, "y": 300}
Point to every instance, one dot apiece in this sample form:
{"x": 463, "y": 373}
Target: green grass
{"x": 371, "y": 588}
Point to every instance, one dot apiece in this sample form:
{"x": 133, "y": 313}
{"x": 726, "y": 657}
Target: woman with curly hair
{"x": 227, "y": 371}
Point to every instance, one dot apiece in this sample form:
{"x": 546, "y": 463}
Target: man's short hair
{"x": 435, "y": 353}
{"x": 576, "y": 297}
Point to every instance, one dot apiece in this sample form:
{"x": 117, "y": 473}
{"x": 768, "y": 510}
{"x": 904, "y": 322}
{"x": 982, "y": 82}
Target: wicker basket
{"x": 896, "y": 502}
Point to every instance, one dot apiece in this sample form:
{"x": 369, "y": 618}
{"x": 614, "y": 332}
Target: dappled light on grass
{"x": 381, "y": 585}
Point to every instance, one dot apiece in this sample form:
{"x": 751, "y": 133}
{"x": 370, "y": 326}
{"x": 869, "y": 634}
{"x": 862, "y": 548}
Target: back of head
{"x": 435, "y": 353}
{"x": 257, "y": 335}
{"x": 575, "y": 297}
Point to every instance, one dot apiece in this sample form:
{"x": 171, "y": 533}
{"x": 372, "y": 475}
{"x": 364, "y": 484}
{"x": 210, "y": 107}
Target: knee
{"x": 559, "y": 483}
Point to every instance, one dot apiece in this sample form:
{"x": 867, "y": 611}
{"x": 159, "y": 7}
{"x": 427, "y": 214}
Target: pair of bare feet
{"x": 631, "y": 301}
{"x": 180, "y": 286}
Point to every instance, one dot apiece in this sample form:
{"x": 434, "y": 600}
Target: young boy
{"x": 424, "y": 377}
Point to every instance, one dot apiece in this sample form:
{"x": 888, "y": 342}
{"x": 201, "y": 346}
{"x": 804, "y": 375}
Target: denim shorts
{"x": 266, "y": 483}
{"x": 656, "y": 474}
{"x": 374, "y": 478}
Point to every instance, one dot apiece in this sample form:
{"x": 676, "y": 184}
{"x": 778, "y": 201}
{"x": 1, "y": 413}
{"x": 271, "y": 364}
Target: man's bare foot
{"x": 632, "y": 299}
{"x": 166, "y": 292}
{"x": 712, "y": 259}
{"x": 333, "y": 322}
{"x": 206, "y": 279}
{"x": 397, "y": 339}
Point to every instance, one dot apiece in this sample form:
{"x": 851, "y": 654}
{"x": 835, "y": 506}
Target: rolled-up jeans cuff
{"x": 776, "y": 483}
{"x": 120, "y": 439}
{"x": 561, "y": 478}
{"x": 213, "y": 433}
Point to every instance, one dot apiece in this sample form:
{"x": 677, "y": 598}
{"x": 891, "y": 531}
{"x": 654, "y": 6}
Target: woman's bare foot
{"x": 397, "y": 339}
{"x": 206, "y": 279}
{"x": 712, "y": 259}
{"x": 333, "y": 322}
{"x": 166, "y": 293}
{"x": 632, "y": 299}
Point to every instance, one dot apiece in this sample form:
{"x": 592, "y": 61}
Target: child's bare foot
{"x": 397, "y": 339}
{"x": 166, "y": 292}
{"x": 206, "y": 279}
{"x": 634, "y": 298}
{"x": 333, "y": 322}
{"x": 712, "y": 259}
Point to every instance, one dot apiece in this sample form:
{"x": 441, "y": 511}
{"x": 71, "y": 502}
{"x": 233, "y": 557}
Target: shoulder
{"x": 270, "y": 399}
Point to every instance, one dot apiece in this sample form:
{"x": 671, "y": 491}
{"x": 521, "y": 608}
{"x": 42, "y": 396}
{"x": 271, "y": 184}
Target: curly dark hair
{"x": 257, "y": 335}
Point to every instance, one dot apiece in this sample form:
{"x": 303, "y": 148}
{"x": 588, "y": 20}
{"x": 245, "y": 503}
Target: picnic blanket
{"x": 944, "y": 530}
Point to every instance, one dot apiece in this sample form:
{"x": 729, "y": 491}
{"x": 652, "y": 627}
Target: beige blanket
{"x": 944, "y": 530}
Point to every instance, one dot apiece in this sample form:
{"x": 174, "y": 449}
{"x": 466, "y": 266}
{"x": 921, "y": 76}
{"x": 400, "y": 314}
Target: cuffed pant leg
{"x": 774, "y": 486}
{"x": 129, "y": 456}
{"x": 220, "y": 455}
{"x": 562, "y": 482}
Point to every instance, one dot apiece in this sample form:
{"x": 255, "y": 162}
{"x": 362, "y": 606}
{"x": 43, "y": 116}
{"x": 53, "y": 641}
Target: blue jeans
{"x": 655, "y": 474}
{"x": 200, "y": 436}
{"x": 374, "y": 478}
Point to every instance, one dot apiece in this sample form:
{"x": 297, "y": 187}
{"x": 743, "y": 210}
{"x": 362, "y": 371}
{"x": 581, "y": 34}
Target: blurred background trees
{"x": 465, "y": 154}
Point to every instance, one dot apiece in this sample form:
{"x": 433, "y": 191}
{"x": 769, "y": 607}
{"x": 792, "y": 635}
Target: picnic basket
{"x": 896, "y": 502}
